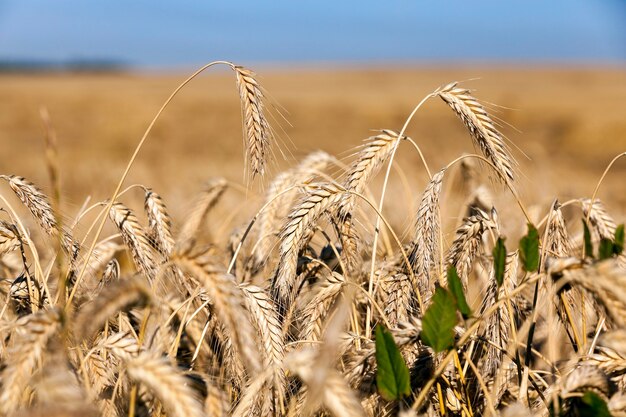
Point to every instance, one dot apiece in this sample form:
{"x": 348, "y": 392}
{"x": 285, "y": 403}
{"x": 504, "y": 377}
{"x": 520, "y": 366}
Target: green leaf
{"x": 529, "y": 249}
{"x": 392, "y": 376}
{"x": 618, "y": 246}
{"x": 587, "y": 238}
{"x": 439, "y": 321}
{"x": 499, "y": 261}
{"x": 592, "y": 405}
{"x": 456, "y": 288}
{"x": 605, "y": 250}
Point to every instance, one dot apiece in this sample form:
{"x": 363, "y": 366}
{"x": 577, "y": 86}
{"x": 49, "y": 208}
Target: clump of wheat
{"x": 167, "y": 323}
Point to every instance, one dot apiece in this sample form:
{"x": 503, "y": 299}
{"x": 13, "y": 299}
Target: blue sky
{"x": 153, "y": 33}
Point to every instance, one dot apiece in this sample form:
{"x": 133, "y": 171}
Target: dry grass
{"x": 261, "y": 300}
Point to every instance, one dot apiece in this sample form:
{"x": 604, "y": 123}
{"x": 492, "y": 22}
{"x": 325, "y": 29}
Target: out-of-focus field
{"x": 570, "y": 123}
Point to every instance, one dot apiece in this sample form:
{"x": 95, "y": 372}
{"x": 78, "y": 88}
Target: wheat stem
{"x": 370, "y": 285}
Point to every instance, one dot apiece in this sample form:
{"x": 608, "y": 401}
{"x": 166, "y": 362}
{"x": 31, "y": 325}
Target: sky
{"x": 184, "y": 33}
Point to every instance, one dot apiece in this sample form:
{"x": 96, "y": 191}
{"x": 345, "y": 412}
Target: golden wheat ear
{"x": 39, "y": 206}
{"x": 264, "y": 316}
{"x": 423, "y": 250}
{"x": 318, "y": 198}
{"x": 192, "y": 227}
{"x": 279, "y": 198}
{"x": 159, "y": 223}
{"x": 468, "y": 243}
{"x": 146, "y": 259}
{"x": 557, "y": 242}
{"x": 481, "y": 127}
{"x": 121, "y": 295}
{"x": 28, "y": 346}
{"x": 228, "y": 301}
{"x": 9, "y": 237}
{"x": 167, "y": 383}
{"x": 335, "y": 394}
{"x": 258, "y": 133}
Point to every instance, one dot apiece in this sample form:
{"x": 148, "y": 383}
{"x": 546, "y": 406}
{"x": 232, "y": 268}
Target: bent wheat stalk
{"x": 138, "y": 148}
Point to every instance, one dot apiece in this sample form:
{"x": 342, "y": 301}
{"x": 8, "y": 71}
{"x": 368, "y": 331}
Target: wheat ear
{"x": 41, "y": 209}
{"x": 400, "y": 304}
{"x": 481, "y": 127}
{"x": 32, "y": 334}
{"x": 557, "y": 241}
{"x": 313, "y": 315}
{"x": 600, "y": 219}
{"x": 258, "y": 133}
{"x": 57, "y": 385}
{"x": 25, "y": 296}
{"x": 319, "y": 197}
{"x": 167, "y": 383}
{"x": 583, "y": 378}
{"x": 228, "y": 300}
{"x": 146, "y": 259}
{"x": 277, "y": 203}
{"x": 265, "y": 319}
{"x": 9, "y": 237}
{"x": 467, "y": 244}
{"x": 423, "y": 250}
{"x": 195, "y": 220}
{"x": 335, "y": 393}
{"x": 374, "y": 153}
{"x": 159, "y": 222}
{"x": 376, "y": 150}
{"x": 498, "y": 325}
{"x": 606, "y": 281}
{"x": 118, "y": 296}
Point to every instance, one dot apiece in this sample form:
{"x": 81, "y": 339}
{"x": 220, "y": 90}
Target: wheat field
{"x": 348, "y": 243}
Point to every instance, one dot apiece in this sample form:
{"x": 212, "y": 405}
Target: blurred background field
{"x": 569, "y": 123}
